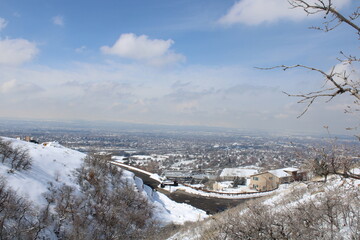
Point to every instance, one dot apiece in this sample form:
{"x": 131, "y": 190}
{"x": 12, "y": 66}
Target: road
{"x": 209, "y": 204}
{"x": 145, "y": 176}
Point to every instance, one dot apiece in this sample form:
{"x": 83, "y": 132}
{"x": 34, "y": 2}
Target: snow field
{"x": 55, "y": 163}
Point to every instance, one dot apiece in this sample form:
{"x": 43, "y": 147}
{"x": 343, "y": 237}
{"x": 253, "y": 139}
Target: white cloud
{"x": 254, "y": 12}
{"x": 3, "y": 23}
{"x": 153, "y": 51}
{"x": 81, "y": 49}
{"x": 281, "y": 116}
{"x": 16, "y": 51}
{"x": 350, "y": 71}
{"x": 342, "y": 71}
{"x": 58, "y": 20}
{"x": 168, "y": 58}
{"x": 197, "y": 95}
{"x": 14, "y": 86}
{"x": 7, "y": 86}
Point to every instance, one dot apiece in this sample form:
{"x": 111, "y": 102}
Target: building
{"x": 180, "y": 176}
{"x": 188, "y": 177}
{"x": 229, "y": 174}
{"x": 197, "y": 178}
{"x": 264, "y": 182}
{"x": 271, "y": 180}
{"x": 285, "y": 175}
{"x": 29, "y": 139}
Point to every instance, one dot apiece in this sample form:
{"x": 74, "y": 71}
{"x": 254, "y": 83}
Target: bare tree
{"x": 107, "y": 207}
{"x": 18, "y": 218}
{"x": 17, "y": 158}
{"x": 333, "y": 160}
{"x": 332, "y": 214}
{"x": 338, "y": 81}
{"x": 5, "y": 150}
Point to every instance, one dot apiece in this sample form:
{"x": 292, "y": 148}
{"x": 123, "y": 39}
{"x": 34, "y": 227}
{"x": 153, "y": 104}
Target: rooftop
{"x": 239, "y": 172}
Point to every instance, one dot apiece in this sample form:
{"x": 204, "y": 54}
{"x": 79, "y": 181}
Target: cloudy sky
{"x": 184, "y": 62}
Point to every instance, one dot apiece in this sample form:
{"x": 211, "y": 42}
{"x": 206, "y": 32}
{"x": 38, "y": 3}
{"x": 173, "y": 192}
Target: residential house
{"x": 265, "y": 181}
{"x": 271, "y": 180}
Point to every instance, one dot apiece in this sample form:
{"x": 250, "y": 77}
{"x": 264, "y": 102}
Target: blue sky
{"x": 168, "y": 62}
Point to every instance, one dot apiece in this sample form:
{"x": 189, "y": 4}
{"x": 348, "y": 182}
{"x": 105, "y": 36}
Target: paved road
{"x": 209, "y": 204}
{"x": 145, "y": 176}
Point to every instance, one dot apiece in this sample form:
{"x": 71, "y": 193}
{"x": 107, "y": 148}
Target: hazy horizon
{"x": 7, "y": 124}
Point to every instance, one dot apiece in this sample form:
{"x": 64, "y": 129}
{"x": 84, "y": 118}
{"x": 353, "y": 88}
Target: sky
{"x": 185, "y": 62}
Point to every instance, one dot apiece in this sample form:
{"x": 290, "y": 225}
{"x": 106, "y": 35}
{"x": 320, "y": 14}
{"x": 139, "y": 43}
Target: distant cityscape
{"x": 168, "y": 149}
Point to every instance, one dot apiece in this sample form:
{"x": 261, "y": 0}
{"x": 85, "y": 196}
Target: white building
{"x": 229, "y": 174}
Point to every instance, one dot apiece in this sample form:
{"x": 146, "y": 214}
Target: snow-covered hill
{"x": 56, "y": 164}
{"x": 300, "y": 210}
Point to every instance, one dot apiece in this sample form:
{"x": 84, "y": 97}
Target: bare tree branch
{"x": 326, "y": 6}
{"x": 329, "y": 92}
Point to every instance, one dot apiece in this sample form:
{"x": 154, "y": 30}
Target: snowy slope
{"x": 50, "y": 163}
{"x": 55, "y": 163}
{"x": 288, "y": 198}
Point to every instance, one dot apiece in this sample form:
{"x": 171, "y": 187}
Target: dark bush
{"x": 15, "y": 157}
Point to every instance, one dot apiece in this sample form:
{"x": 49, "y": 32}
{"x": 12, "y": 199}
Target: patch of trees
{"x": 238, "y": 181}
{"x": 18, "y": 219}
{"x": 16, "y": 157}
{"x": 106, "y": 207}
{"x": 332, "y": 214}
{"x": 334, "y": 160}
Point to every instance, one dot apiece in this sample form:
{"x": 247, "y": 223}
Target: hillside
{"x": 54, "y": 166}
{"x": 62, "y": 184}
{"x": 310, "y": 210}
